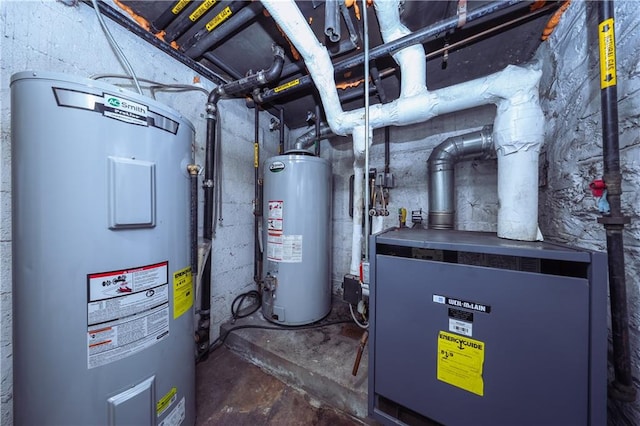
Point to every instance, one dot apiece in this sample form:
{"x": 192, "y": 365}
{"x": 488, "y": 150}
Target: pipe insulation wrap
{"x": 518, "y": 126}
{"x": 358, "y": 205}
{"x": 518, "y": 196}
{"x": 359, "y": 142}
{"x": 411, "y": 60}
{"x": 316, "y": 57}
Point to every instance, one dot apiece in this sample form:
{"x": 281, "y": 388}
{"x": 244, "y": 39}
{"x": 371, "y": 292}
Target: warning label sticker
{"x": 115, "y": 340}
{"x": 182, "y": 291}
{"x": 274, "y": 218}
{"x": 166, "y": 401}
{"x": 127, "y": 311}
{"x": 460, "y": 362}
{"x": 106, "y": 285}
{"x": 284, "y": 248}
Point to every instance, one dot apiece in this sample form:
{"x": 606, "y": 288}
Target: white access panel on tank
{"x": 297, "y": 239}
{"x": 103, "y": 317}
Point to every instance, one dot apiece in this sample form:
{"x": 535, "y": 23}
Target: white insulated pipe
{"x": 518, "y": 130}
{"x": 359, "y": 141}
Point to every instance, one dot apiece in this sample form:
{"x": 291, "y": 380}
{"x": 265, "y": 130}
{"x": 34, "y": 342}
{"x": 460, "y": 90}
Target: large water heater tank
{"x": 297, "y": 239}
{"x": 103, "y": 316}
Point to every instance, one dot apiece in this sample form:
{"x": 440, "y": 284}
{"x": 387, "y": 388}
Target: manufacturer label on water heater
{"x": 115, "y": 107}
{"x": 276, "y": 166}
{"x": 125, "y": 110}
{"x": 127, "y": 311}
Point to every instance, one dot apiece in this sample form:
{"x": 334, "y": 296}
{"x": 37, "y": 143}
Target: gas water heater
{"x": 296, "y": 239}
{"x": 102, "y": 289}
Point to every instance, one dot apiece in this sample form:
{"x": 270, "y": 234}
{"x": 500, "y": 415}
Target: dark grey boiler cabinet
{"x": 470, "y": 329}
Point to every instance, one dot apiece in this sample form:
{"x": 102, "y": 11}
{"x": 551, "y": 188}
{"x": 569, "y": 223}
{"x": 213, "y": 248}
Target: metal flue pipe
{"x": 441, "y": 170}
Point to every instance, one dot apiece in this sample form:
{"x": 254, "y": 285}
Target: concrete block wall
{"x": 48, "y": 35}
{"x": 570, "y": 92}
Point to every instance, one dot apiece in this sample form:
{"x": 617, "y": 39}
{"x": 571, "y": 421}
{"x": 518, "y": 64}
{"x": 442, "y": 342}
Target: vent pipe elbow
{"x": 441, "y": 169}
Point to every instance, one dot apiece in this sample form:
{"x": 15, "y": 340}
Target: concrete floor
{"x": 304, "y": 375}
{"x": 234, "y": 392}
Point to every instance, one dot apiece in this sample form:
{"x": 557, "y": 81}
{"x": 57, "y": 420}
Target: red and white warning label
{"x": 275, "y": 216}
{"x": 127, "y": 311}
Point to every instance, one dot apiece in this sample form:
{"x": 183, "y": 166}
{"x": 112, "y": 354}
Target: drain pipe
{"x": 202, "y": 333}
{"x": 622, "y": 387}
{"x": 257, "y": 205}
{"x": 441, "y": 170}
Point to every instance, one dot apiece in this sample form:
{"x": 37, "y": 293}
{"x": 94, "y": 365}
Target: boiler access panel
{"x": 468, "y": 328}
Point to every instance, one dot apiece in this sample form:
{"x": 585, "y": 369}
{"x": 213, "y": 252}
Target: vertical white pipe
{"x": 358, "y": 205}
{"x": 412, "y": 62}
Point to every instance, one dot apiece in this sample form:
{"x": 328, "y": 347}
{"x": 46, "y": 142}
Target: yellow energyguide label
{"x": 460, "y": 362}
{"x": 607, "y": 54}
{"x": 178, "y": 7}
{"x": 287, "y": 85}
{"x": 219, "y": 18}
{"x": 165, "y": 401}
{"x": 202, "y": 9}
{"x": 182, "y": 291}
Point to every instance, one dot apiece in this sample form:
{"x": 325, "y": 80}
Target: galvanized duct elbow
{"x": 441, "y": 168}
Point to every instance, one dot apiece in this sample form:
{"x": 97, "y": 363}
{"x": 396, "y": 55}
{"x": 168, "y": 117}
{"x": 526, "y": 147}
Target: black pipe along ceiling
{"x": 232, "y": 39}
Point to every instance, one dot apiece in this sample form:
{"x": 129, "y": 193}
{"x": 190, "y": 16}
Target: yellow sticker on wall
{"x": 182, "y": 291}
{"x": 460, "y": 362}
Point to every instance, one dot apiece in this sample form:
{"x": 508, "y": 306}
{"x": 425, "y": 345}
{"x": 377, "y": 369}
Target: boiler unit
{"x": 471, "y": 329}
{"x": 297, "y": 239}
{"x": 102, "y": 289}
